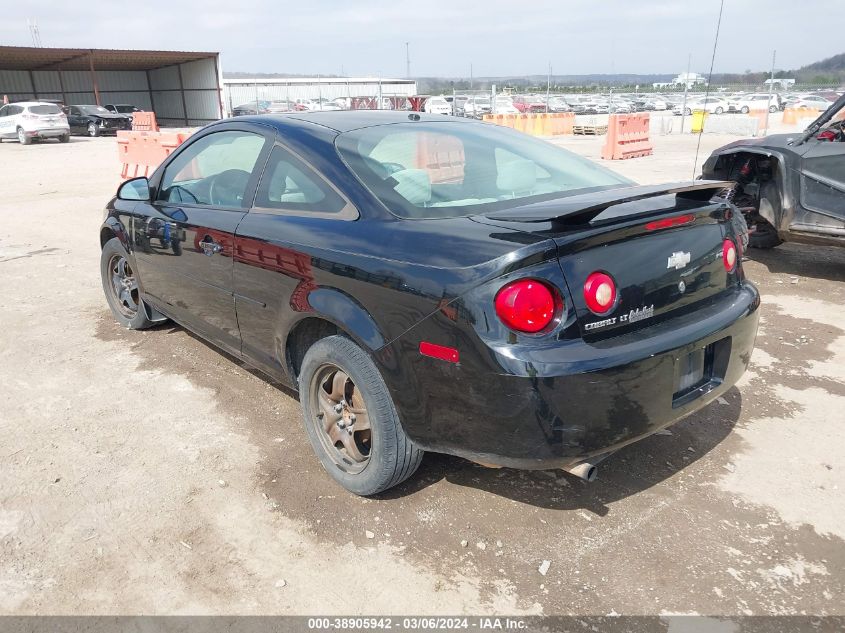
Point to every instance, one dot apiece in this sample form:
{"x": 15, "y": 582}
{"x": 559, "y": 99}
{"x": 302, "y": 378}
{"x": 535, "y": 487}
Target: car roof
{"x": 30, "y": 103}
{"x": 347, "y": 120}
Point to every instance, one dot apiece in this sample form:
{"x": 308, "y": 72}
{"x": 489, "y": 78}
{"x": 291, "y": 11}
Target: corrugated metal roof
{"x": 31, "y": 58}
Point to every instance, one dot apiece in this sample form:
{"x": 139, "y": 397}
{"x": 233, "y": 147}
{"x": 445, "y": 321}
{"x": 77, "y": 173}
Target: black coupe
{"x": 438, "y": 284}
{"x": 791, "y": 187}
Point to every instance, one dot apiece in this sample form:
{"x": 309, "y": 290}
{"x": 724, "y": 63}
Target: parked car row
{"x": 29, "y": 121}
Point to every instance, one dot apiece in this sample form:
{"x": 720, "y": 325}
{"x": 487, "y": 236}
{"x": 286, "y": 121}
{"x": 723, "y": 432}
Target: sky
{"x": 496, "y": 37}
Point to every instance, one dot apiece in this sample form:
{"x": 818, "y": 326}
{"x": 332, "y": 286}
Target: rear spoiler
{"x": 584, "y": 207}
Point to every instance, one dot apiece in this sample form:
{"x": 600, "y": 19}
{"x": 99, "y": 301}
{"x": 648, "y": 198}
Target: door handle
{"x": 210, "y": 247}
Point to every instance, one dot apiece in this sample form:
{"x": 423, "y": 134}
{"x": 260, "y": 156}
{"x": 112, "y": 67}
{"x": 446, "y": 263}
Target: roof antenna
{"x": 707, "y": 89}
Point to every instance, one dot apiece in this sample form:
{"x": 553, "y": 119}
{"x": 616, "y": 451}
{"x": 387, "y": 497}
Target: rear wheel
{"x": 764, "y": 234}
{"x": 93, "y": 129}
{"x": 350, "y": 419}
{"x": 773, "y": 108}
{"x": 64, "y": 138}
{"x": 719, "y": 110}
{"x": 23, "y": 138}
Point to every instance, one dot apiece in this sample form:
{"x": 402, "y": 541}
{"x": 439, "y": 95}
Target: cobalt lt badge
{"x": 678, "y": 260}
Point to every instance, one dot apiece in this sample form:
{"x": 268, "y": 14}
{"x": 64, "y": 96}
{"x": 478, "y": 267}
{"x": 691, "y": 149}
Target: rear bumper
{"x": 556, "y": 406}
{"x": 53, "y": 132}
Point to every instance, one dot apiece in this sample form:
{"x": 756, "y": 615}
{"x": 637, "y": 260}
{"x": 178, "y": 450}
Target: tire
{"x": 720, "y": 110}
{"x": 64, "y": 138}
{"x": 391, "y": 457}
{"x": 744, "y": 109}
{"x": 23, "y": 139}
{"x": 93, "y": 130}
{"x": 687, "y": 112}
{"x": 123, "y": 298}
{"x": 765, "y": 235}
{"x": 773, "y": 109}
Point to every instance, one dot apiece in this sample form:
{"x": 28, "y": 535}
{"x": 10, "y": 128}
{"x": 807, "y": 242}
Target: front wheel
{"x": 350, "y": 419}
{"x": 93, "y": 130}
{"x": 773, "y": 109}
{"x": 120, "y": 284}
{"x": 744, "y": 109}
{"x": 719, "y": 110}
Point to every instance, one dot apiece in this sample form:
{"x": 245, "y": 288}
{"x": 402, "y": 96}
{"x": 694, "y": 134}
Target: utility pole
{"x": 407, "y": 61}
{"x": 771, "y": 87}
{"x": 548, "y": 87}
{"x": 34, "y": 33}
{"x": 470, "y": 76}
{"x": 686, "y": 90}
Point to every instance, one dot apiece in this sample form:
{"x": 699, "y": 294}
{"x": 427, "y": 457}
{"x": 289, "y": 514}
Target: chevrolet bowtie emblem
{"x": 678, "y": 260}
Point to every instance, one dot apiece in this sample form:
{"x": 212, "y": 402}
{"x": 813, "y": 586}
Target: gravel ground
{"x": 145, "y": 472}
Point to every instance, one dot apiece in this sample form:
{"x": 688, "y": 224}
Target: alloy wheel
{"x": 21, "y": 136}
{"x": 341, "y": 418}
{"x": 124, "y": 286}
{"x": 92, "y": 129}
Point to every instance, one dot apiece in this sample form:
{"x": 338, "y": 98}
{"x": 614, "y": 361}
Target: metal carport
{"x": 182, "y": 88}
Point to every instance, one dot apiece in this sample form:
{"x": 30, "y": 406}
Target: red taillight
{"x": 526, "y": 305}
{"x": 729, "y": 255}
{"x": 600, "y": 292}
{"x": 668, "y": 223}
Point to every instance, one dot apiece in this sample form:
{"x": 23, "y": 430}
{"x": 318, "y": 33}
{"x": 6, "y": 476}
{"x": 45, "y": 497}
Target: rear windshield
{"x": 47, "y": 108}
{"x": 440, "y": 170}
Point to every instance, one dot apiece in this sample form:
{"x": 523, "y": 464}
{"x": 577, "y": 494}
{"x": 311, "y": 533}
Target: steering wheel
{"x": 227, "y": 188}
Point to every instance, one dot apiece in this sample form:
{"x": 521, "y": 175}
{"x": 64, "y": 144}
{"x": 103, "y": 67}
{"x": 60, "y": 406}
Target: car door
{"x": 74, "y": 119}
{"x": 822, "y": 192}
{"x": 184, "y": 237}
{"x": 275, "y": 274}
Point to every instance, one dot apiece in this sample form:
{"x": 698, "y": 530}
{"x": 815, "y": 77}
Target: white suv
{"x": 32, "y": 119}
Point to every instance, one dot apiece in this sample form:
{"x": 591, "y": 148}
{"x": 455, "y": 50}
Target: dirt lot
{"x": 144, "y": 472}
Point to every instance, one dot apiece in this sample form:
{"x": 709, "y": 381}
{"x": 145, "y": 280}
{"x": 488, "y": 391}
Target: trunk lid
{"x": 661, "y": 245}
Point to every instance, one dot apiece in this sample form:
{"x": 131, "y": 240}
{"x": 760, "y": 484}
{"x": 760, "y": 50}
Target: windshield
{"x": 94, "y": 110}
{"x": 441, "y": 170}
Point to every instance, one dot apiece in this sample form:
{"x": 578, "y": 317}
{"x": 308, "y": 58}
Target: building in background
{"x": 244, "y": 90}
{"x": 182, "y": 88}
{"x": 689, "y": 80}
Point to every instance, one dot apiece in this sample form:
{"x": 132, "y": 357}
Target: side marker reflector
{"x": 439, "y": 351}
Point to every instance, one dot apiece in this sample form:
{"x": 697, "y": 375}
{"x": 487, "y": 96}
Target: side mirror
{"x": 136, "y": 189}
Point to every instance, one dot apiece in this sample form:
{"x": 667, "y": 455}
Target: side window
{"x": 289, "y": 184}
{"x": 214, "y": 170}
{"x": 74, "y": 110}
{"x": 4, "y": 111}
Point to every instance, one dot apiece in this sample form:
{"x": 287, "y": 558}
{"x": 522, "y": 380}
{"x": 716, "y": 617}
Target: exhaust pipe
{"x": 587, "y": 470}
{"x": 584, "y": 470}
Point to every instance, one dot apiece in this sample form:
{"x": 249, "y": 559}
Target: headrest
{"x": 517, "y": 176}
{"x": 414, "y": 185}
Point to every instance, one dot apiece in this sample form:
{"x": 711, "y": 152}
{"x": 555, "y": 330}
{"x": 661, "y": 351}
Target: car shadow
{"x": 816, "y": 262}
{"x": 629, "y": 471}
